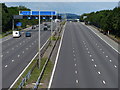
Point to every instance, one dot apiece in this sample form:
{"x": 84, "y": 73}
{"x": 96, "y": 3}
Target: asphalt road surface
{"x": 17, "y": 53}
{"x": 85, "y": 61}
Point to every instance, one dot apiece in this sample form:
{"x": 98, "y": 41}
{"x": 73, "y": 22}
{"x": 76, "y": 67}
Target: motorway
{"x": 84, "y": 61}
{"x": 18, "y": 52}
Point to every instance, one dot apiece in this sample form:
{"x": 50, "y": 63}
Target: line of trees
{"x": 107, "y": 20}
{"x": 7, "y": 16}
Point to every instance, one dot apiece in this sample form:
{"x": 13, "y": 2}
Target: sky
{"x": 67, "y": 7}
{"x": 60, "y": 0}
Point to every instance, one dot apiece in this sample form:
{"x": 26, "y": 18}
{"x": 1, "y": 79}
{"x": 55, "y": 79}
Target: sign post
{"x": 13, "y": 24}
{"x": 39, "y": 40}
{"x": 51, "y": 25}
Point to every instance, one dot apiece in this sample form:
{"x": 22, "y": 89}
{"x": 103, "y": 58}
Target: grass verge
{"x": 34, "y": 75}
{"x": 54, "y": 38}
{"x": 46, "y": 75}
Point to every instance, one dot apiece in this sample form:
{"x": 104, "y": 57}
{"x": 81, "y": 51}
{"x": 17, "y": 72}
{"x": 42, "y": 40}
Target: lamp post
{"x": 39, "y": 42}
{"x": 51, "y": 26}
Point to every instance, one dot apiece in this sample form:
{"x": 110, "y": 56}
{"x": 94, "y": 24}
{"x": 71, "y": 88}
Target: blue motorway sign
{"x": 36, "y": 18}
{"x": 29, "y": 17}
{"x": 34, "y": 12}
{"x": 48, "y": 13}
{"x": 25, "y": 12}
{"x": 37, "y": 13}
{"x": 18, "y": 24}
{"x": 50, "y": 17}
{"x": 44, "y": 18}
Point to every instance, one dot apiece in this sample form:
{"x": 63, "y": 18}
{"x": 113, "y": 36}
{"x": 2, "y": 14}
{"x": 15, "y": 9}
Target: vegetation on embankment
{"x": 107, "y": 20}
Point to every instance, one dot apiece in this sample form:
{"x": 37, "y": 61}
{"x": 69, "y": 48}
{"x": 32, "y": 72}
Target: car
{"x": 33, "y": 27}
{"x": 48, "y": 26}
{"x": 28, "y": 34}
{"x": 45, "y": 24}
{"x": 45, "y": 28}
{"x": 16, "y": 34}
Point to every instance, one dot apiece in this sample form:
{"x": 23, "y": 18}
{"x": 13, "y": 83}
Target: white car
{"x": 16, "y": 34}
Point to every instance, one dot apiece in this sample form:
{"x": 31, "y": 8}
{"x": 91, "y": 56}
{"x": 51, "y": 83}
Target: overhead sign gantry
{"x": 36, "y": 13}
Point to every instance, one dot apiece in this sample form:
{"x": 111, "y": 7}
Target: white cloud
{"x": 60, "y": 1}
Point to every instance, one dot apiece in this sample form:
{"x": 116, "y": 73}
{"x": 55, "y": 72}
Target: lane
{"x": 13, "y": 41}
{"x": 100, "y": 43}
{"x": 19, "y": 58}
{"x": 65, "y": 78}
{"x": 18, "y": 52}
{"x": 84, "y": 62}
{"x": 109, "y": 72}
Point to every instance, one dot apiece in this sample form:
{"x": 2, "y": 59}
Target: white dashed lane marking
{"x": 18, "y": 55}
{"x": 99, "y": 72}
{"x": 26, "y": 48}
{"x": 115, "y": 66}
{"x": 77, "y": 81}
{"x": 6, "y": 66}
{"x": 7, "y": 51}
{"x": 23, "y": 52}
{"x": 103, "y": 82}
{"x": 110, "y": 60}
{"x": 12, "y": 48}
{"x": 95, "y": 65}
{"x": 12, "y": 60}
{"x": 74, "y": 59}
{"x": 76, "y": 72}
{"x": 106, "y": 56}
{"x": 92, "y": 59}
{"x": 75, "y": 65}
{"x": 90, "y": 55}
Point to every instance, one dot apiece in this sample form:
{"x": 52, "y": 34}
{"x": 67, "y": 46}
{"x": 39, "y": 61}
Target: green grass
{"x": 47, "y": 74}
{"x": 24, "y": 74}
{"x": 35, "y": 74}
{"x": 63, "y": 23}
{"x": 0, "y": 35}
{"x": 54, "y": 38}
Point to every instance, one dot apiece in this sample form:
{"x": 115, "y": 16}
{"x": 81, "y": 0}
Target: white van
{"x": 16, "y": 34}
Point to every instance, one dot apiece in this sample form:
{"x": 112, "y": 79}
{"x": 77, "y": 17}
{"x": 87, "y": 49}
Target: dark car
{"x": 33, "y": 27}
{"x": 28, "y": 34}
{"x": 45, "y": 24}
{"x": 45, "y": 28}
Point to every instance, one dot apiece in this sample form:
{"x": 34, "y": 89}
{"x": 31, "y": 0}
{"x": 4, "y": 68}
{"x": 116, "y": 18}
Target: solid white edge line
{"x": 5, "y": 40}
{"x": 27, "y": 66}
{"x": 50, "y": 82}
{"x": 103, "y": 39}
